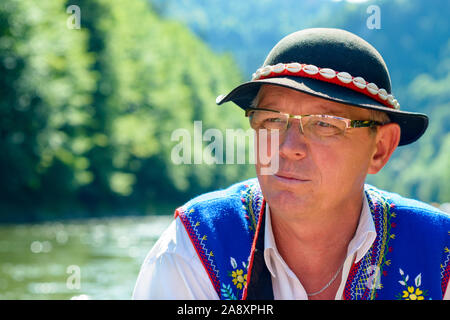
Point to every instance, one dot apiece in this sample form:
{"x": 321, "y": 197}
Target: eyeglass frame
{"x": 348, "y": 122}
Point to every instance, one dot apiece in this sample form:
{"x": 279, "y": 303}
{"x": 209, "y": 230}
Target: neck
{"x": 320, "y": 227}
{"x": 314, "y": 244}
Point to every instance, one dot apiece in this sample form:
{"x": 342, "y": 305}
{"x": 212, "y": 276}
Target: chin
{"x": 286, "y": 197}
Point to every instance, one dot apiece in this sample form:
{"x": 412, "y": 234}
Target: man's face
{"x": 314, "y": 174}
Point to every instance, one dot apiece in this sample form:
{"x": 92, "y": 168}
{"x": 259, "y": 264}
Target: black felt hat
{"x": 332, "y": 64}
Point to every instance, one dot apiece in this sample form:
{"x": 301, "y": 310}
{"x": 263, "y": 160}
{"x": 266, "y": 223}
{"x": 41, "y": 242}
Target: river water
{"x": 85, "y": 259}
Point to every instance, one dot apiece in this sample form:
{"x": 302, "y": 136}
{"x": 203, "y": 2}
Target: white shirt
{"x": 173, "y": 270}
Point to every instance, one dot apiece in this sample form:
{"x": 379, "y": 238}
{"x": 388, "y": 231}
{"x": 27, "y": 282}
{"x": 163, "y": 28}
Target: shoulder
{"x": 223, "y": 202}
{"x": 226, "y": 216}
{"x": 224, "y": 194}
{"x": 174, "y": 242}
{"x": 416, "y": 212}
{"x": 171, "y": 248}
{"x": 172, "y": 269}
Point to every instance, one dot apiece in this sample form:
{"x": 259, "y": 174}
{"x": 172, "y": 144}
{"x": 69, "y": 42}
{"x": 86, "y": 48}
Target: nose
{"x": 293, "y": 145}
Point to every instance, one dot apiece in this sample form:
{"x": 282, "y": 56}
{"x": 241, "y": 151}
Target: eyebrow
{"x": 335, "y": 112}
{"x": 331, "y": 108}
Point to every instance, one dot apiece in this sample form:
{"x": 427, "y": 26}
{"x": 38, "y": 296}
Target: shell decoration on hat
{"x": 342, "y": 78}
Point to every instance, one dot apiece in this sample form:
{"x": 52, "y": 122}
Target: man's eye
{"x": 324, "y": 124}
{"x": 274, "y": 120}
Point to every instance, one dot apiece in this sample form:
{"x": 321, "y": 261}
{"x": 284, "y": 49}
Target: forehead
{"x": 296, "y": 102}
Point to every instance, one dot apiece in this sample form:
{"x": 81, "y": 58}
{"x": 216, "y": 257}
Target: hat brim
{"x": 412, "y": 124}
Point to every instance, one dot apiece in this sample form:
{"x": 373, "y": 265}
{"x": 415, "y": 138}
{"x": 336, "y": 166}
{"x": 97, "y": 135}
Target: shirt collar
{"x": 365, "y": 233}
{"x": 362, "y": 240}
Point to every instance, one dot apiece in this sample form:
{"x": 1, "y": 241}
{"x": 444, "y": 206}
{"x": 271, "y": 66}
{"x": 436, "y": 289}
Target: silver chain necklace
{"x": 328, "y": 284}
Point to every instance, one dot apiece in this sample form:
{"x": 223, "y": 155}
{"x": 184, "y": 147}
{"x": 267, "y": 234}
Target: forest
{"x": 87, "y": 114}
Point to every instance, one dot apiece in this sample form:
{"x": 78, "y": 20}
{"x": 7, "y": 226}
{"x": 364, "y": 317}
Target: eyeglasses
{"x": 315, "y": 126}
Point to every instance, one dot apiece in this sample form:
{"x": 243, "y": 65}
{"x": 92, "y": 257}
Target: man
{"x": 312, "y": 229}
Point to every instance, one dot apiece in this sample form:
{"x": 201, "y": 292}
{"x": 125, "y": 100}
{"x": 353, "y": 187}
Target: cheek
{"x": 340, "y": 165}
{"x": 329, "y": 163}
{"x": 266, "y": 146}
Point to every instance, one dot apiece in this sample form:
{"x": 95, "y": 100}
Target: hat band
{"x": 343, "y": 79}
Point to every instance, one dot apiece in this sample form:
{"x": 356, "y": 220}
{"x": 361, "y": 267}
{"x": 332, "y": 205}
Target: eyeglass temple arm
{"x": 364, "y": 123}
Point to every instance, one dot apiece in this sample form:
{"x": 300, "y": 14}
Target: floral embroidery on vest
{"x": 229, "y": 279}
{"x": 239, "y": 279}
{"x": 411, "y": 291}
{"x": 251, "y": 198}
{"x": 365, "y": 276}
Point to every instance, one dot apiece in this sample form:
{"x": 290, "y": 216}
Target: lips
{"x": 287, "y": 176}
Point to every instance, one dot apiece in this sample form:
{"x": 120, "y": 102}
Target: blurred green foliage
{"x": 87, "y": 114}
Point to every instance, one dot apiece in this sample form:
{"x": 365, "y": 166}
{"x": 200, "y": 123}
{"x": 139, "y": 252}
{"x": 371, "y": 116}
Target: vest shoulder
{"x": 414, "y": 209}
{"x": 221, "y": 201}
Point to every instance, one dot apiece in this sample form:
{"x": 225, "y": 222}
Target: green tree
{"x": 154, "y": 76}
{"x": 87, "y": 114}
{"x": 45, "y": 88}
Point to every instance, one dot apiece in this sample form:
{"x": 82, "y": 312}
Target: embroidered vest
{"x": 409, "y": 259}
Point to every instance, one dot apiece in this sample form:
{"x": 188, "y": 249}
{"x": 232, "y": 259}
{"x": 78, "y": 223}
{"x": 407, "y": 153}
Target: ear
{"x": 386, "y": 141}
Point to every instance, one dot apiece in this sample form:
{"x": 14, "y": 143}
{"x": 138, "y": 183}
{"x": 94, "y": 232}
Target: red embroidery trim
{"x": 198, "y": 248}
{"x": 252, "y": 252}
{"x": 445, "y": 278}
